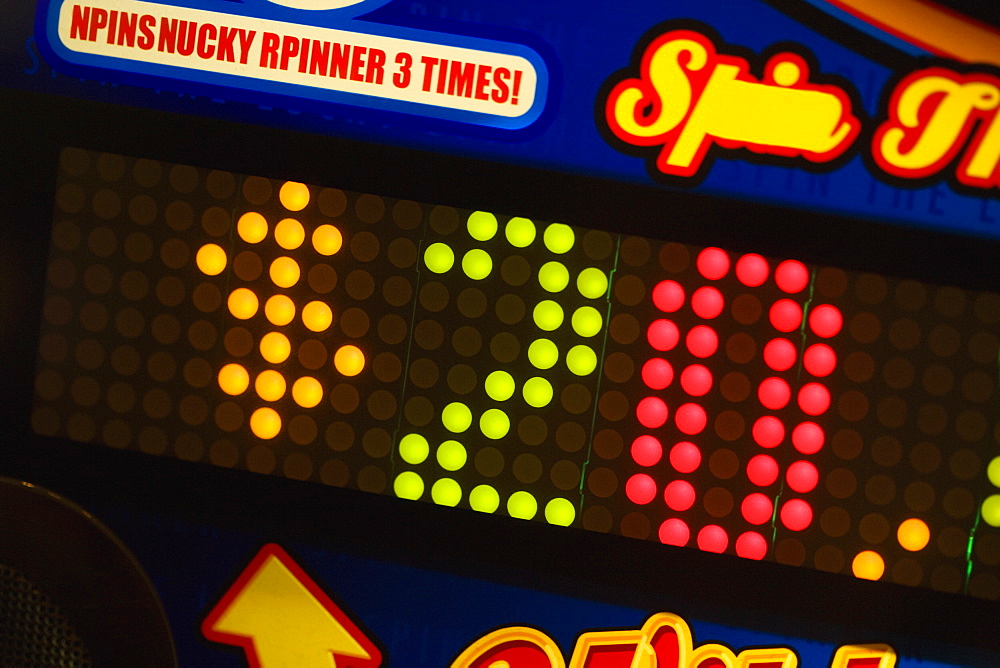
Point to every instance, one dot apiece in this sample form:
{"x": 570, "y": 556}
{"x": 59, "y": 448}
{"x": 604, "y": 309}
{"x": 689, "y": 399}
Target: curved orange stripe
{"x": 930, "y": 26}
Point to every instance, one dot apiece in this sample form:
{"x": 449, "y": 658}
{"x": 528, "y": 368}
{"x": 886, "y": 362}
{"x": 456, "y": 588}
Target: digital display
{"x": 731, "y": 402}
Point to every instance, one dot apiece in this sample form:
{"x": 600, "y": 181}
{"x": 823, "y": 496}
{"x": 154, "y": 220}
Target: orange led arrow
{"x": 283, "y": 619}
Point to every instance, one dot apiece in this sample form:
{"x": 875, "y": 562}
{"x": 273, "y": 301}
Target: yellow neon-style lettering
{"x": 858, "y": 656}
{"x": 512, "y": 647}
{"x": 930, "y": 118}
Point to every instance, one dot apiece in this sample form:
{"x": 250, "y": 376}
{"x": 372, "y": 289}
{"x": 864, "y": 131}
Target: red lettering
{"x": 126, "y": 29}
{"x": 246, "y": 39}
{"x": 401, "y": 79}
{"x": 224, "y": 49}
{"x": 80, "y": 21}
{"x": 376, "y": 67}
{"x": 269, "y": 50}
{"x": 460, "y": 78}
{"x": 358, "y": 63}
{"x": 289, "y": 49}
{"x": 186, "y": 38}
{"x": 501, "y": 91}
{"x": 146, "y": 37}
{"x": 98, "y": 20}
{"x": 320, "y": 58}
{"x": 168, "y": 35}
{"x": 429, "y": 65}
{"x": 482, "y": 82}
{"x": 304, "y": 60}
{"x": 112, "y": 25}
{"x": 206, "y": 32}
{"x": 339, "y": 60}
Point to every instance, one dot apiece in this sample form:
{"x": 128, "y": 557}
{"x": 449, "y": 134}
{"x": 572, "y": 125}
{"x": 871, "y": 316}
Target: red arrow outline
{"x": 247, "y": 642}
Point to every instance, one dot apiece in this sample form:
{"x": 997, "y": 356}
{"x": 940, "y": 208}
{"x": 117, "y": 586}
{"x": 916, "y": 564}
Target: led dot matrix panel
{"x": 726, "y": 402}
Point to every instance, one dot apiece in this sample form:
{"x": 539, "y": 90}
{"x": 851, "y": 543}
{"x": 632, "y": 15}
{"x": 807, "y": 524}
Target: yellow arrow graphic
{"x": 283, "y": 619}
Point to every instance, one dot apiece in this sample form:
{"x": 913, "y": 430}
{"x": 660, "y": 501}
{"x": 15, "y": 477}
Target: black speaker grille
{"x": 33, "y": 630}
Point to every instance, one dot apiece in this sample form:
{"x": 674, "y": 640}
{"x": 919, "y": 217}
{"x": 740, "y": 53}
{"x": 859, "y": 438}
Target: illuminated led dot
{"x": 707, "y": 302}
{"x": 592, "y": 283}
{"x": 696, "y": 380}
{"x": 446, "y": 492}
{"x": 652, "y": 412}
{"x": 477, "y": 264}
{"x": 774, "y": 393}
{"x": 520, "y": 232}
{"x": 640, "y": 489}
{"x": 691, "y": 419}
{"x": 522, "y": 505}
{"x": 270, "y": 385}
{"x": 802, "y": 476}
{"x": 439, "y": 258}
{"x": 751, "y": 545}
{"x": 243, "y": 303}
{"x": 663, "y": 335}
{"x": 500, "y": 386}
{"x": 825, "y": 320}
{"x": 868, "y": 565}
{"x": 685, "y": 457}
{"x": 327, "y": 240}
{"x": 668, "y": 296}
{"x": 293, "y": 196}
{"x": 757, "y": 508}
{"x": 560, "y": 512}
{"x": 752, "y": 270}
{"x": 768, "y": 431}
{"x": 679, "y": 495}
{"x": 712, "y": 263}
{"x": 252, "y": 227}
{"x": 307, "y": 392}
{"x": 451, "y": 455}
{"x": 646, "y": 450}
{"x": 814, "y": 399}
{"x": 993, "y": 471}
{"x": 991, "y": 510}
{"x": 713, "y": 538}
{"x": 657, "y": 373}
{"x": 494, "y": 424}
{"x": 791, "y": 276}
{"x": 796, "y": 514}
{"x": 289, "y": 234}
{"x": 558, "y": 238}
{"x": 547, "y": 315}
{"x": 280, "y": 310}
{"x": 674, "y": 532}
{"x": 537, "y": 392}
{"x": 587, "y": 321}
{"x": 762, "y": 470}
{"x": 543, "y": 354}
{"x": 482, "y": 226}
{"x": 553, "y": 276}
{"x": 211, "y": 259}
{"x": 780, "y": 354}
{"x": 284, "y": 272}
{"x": 819, "y": 359}
{"x": 265, "y": 423}
{"x": 913, "y": 534}
{"x": 484, "y": 499}
{"x": 785, "y": 315}
{"x": 456, "y": 417}
{"x": 317, "y": 316}
{"x": 702, "y": 341}
{"x": 413, "y": 448}
{"x": 581, "y": 360}
{"x": 233, "y": 379}
{"x": 408, "y": 485}
{"x": 808, "y": 438}
{"x": 275, "y": 347}
{"x": 349, "y": 360}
